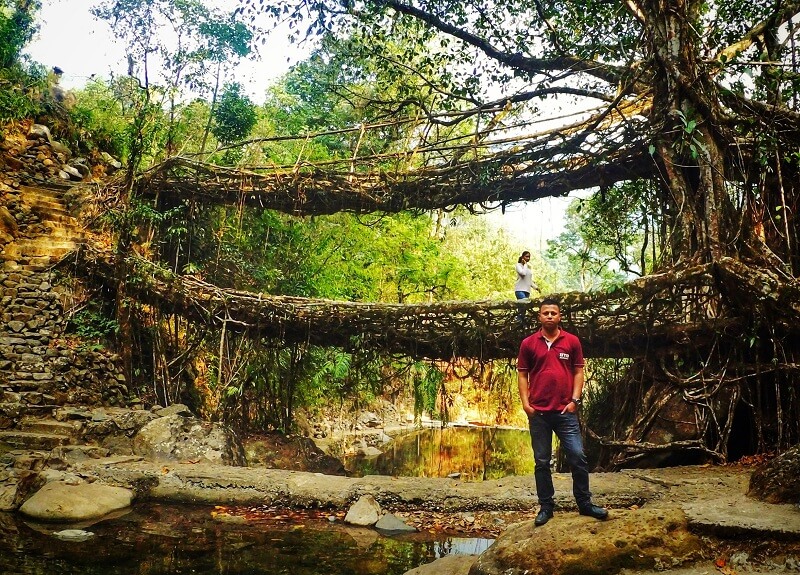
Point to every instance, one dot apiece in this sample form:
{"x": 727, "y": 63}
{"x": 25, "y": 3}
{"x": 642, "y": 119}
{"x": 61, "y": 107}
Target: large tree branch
{"x": 611, "y": 74}
{"x": 778, "y": 18}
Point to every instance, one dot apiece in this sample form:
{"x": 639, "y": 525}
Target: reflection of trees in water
{"x": 158, "y": 539}
{"x": 476, "y": 453}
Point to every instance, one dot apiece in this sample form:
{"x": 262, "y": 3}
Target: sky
{"x": 82, "y": 46}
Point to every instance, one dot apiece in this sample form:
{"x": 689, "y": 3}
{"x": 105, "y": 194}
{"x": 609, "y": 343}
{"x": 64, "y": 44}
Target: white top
{"x": 524, "y": 278}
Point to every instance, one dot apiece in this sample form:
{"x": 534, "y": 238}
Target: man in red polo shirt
{"x": 550, "y": 377}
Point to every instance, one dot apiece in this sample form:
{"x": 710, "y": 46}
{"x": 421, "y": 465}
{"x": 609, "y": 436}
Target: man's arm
{"x": 577, "y": 389}
{"x": 522, "y": 381}
{"x": 577, "y": 382}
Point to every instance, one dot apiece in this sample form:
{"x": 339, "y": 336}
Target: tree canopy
{"x": 696, "y": 97}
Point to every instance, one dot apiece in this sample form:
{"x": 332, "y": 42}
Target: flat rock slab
{"x": 214, "y": 484}
{"x": 730, "y": 516}
{"x": 61, "y": 502}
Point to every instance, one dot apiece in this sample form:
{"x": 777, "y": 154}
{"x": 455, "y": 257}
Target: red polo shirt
{"x": 551, "y": 372}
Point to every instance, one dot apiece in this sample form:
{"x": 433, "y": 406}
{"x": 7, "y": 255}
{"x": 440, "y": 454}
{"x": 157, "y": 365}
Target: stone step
{"x": 34, "y": 196}
{"x": 30, "y": 459}
{"x": 56, "y": 215}
{"x": 47, "y": 426}
{"x": 46, "y": 188}
{"x": 64, "y": 230}
{"x": 45, "y": 241}
{"x": 37, "y": 267}
{"x": 40, "y": 205}
{"x": 39, "y": 247}
{"x": 40, "y": 410}
{"x": 31, "y": 440}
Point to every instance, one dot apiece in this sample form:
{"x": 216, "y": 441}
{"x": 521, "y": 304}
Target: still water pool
{"x": 164, "y": 539}
{"x": 474, "y": 453}
{"x": 153, "y": 539}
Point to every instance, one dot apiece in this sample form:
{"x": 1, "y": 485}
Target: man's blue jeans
{"x": 566, "y": 427}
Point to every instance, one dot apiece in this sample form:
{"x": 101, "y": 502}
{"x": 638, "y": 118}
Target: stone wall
{"x": 41, "y": 368}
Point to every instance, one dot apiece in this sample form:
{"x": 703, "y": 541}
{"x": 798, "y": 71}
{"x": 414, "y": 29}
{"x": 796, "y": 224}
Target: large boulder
{"x": 175, "y": 438}
{"x": 278, "y": 451}
{"x": 62, "y": 502}
{"x": 571, "y": 543}
{"x": 779, "y": 480}
{"x": 364, "y": 512}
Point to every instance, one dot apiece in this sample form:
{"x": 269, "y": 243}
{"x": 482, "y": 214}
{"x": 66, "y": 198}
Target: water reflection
{"x": 476, "y": 453}
{"x": 160, "y": 540}
{"x": 156, "y": 539}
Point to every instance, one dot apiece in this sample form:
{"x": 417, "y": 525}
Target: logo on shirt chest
{"x": 564, "y": 356}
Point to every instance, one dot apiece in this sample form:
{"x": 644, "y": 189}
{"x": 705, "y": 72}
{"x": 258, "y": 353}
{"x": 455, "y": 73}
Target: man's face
{"x": 549, "y": 316}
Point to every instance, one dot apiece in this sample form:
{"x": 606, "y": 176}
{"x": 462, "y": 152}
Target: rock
{"x": 448, "y": 565}
{"x": 8, "y": 496}
{"x": 70, "y": 454}
{"x": 366, "y": 450}
{"x": 73, "y": 173}
{"x": 570, "y": 543}
{"x": 58, "y": 501}
{"x": 14, "y": 163}
{"x": 369, "y": 419}
{"x": 392, "y": 524}
{"x": 175, "y": 409}
{"x": 79, "y": 164}
{"x": 60, "y": 148}
{"x": 77, "y": 535}
{"x": 111, "y": 160}
{"x": 39, "y": 132}
{"x": 175, "y": 438}
{"x": 73, "y": 413}
{"x": 7, "y": 222}
{"x": 366, "y": 511}
{"x": 779, "y": 480}
{"x": 278, "y": 451}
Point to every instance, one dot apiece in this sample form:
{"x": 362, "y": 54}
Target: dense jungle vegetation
{"x": 700, "y": 168}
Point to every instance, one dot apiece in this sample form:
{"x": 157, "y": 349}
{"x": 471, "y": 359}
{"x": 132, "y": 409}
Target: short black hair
{"x": 550, "y": 301}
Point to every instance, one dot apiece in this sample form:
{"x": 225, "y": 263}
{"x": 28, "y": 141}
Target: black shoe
{"x": 543, "y": 517}
{"x": 593, "y": 511}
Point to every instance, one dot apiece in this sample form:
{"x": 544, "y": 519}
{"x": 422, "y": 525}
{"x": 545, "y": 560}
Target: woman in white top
{"x": 522, "y": 289}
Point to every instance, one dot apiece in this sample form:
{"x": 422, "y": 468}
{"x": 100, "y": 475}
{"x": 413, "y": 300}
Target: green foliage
{"x": 234, "y": 116}
{"x": 21, "y": 84}
{"x": 21, "y": 89}
{"x": 606, "y": 238}
{"x": 427, "y": 381}
{"x": 174, "y": 46}
{"x": 93, "y": 323}
{"x": 17, "y": 28}
{"x": 100, "y": 118}
{"x": 690, "y": 141}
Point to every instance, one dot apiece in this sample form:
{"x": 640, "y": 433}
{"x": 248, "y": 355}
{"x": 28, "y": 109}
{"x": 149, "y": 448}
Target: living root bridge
{"x": 319, "y": 191}
{"x": 656, "y": 315}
